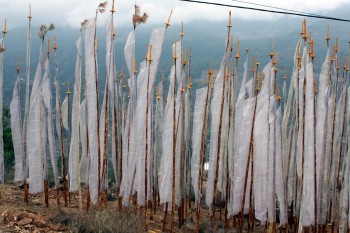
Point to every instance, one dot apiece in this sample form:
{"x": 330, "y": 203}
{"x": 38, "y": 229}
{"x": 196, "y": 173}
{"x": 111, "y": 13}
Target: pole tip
{"x": 4, "y": 31}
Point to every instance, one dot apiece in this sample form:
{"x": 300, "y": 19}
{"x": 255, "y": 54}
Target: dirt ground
{"x": 16, "y": 216}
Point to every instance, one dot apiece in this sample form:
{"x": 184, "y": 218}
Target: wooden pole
{"x": 163, "y": 78}
{"x": 56, "y": 65}
{"x": 174, "y": 147}
{"x": 121, "y": 138}
{"x": 250, "y": 156}
{"x": 43, "y": 157}
{"x": 312, "y": 55}
{"x": 88, "y": 199}
{"x": 220, "y": 124}
{"x": 284, "y": 88}
{"x": 167, "y": 24}
{"x": 44, "y": 164}
{"x": 64, "y": 171}
{"x": 69, "y": 132}
{"x": 149, "y": 59}
{"x": 181, "y": 125}
{"x": 202, "y": 152}
{"x": 4, "y": 32}
{"x": 105, "y": 153}
{"x": 78, "y": 164}
{"x": 232, "y": 89}
{"x": 155, "y": 183}
{"x": 165, "y": 216}
{"x": 114, "y": 112}
{"x": 98, "y": 113}
{"x": 116, "y": 142}
{"x": 188, "y": 179}
{"x": 26, "y": 107}
{"x": 24, "y": 165}
{"x": 296, "y": 219}
{"x": 344, "y": 85}
{"x": 183, "y": 144}
{"x": 46, "y": 186}
{"x": 333, "y": 127}
{"x": 251, "y": 209}
{"x": 104, "y": 174}
{"x": 303, "y": 123}
{"x": 278, "y": 98}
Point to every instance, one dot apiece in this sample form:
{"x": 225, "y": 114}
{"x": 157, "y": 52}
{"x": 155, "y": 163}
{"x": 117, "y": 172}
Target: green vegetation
{"x": 9, "y": 154}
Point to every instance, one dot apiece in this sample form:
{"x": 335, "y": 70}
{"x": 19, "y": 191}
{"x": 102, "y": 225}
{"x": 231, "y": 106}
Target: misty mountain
{"x": 206, "y": 38}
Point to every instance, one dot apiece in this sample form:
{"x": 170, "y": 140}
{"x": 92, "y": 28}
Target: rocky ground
{"x": 16, "y": 216}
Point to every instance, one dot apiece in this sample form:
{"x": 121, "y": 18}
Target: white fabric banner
{"x": 16, "y": 128}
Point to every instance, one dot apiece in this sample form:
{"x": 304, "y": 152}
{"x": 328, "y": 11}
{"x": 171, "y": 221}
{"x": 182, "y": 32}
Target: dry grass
{"x": 106, "y": 221}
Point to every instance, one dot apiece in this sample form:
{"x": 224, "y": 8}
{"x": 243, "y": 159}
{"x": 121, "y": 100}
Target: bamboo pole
{"x": 220, "y": 123}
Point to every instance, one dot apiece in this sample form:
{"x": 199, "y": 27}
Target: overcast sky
{"x": 70, "y": 13}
